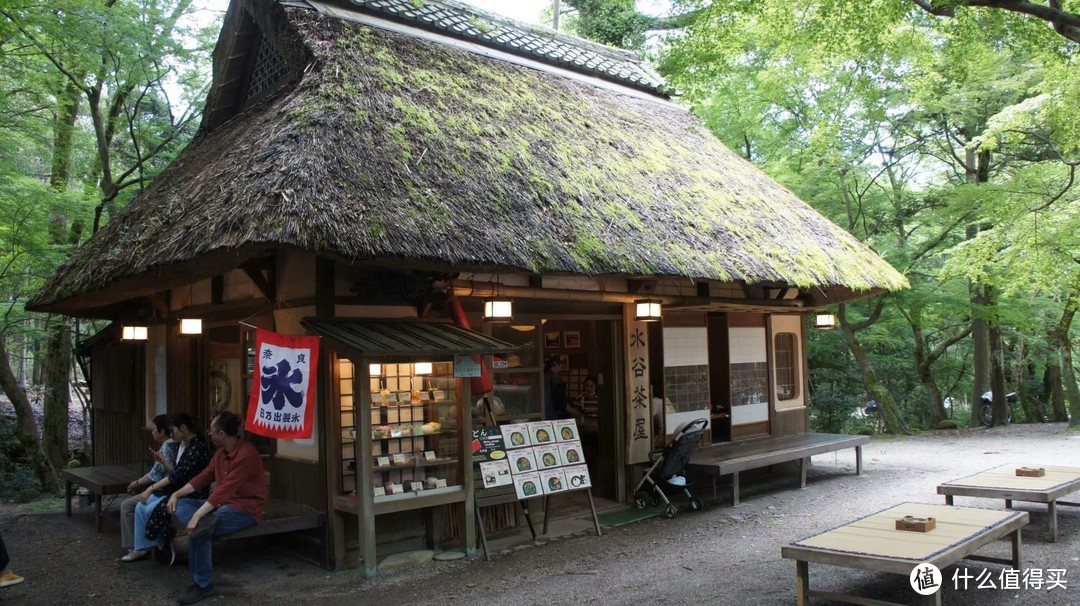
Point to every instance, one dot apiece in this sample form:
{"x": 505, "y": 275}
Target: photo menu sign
{"x": 540, "y": 458}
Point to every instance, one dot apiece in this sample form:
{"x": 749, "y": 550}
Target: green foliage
{"x": 871, "y": 112}
{"x": 947, "y": 424}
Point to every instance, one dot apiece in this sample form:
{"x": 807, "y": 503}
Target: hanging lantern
{"x": 824, "y": 321}
{"x": 498, "y": 310}
{"x": 190, "y": 326}
{"x": 133, "y": 333}
{"x": 647, "y": 310}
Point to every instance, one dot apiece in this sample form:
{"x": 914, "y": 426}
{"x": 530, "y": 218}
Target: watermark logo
{"x": 925, "y": 579}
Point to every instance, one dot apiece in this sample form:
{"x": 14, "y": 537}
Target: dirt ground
{"x": 721, "y": 555}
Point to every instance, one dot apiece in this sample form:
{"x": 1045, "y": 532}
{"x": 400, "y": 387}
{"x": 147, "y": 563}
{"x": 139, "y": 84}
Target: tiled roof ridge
{"x": 454, "y": 18}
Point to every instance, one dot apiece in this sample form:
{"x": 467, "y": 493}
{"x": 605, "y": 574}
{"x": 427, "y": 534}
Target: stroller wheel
{"x": 671, "y": 511}
{"x": 639, "y": 499}
{"x": 695, "y": 504}
{"x": 656, "y": 500}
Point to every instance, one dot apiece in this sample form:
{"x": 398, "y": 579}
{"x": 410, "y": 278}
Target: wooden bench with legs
{"x": 278, "y": 517}
{"x": 1049, "y": 484}
{"x": 101, "y": 481}
{"x": 732, "y": 458}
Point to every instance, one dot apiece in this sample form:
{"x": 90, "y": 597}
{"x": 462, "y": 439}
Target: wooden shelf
{"x": 403, "y": 502}
{"x": 423, "y": 435}
{"x": 416, "y": 464}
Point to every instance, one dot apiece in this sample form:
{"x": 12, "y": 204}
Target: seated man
{"x": 236, "y": 502}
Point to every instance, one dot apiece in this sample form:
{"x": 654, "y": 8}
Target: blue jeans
{"x": 142, "y": 515}
{"x": 229, "y": 520}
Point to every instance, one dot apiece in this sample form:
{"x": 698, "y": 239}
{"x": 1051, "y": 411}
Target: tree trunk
{"x": 1030, "y": 403}
{"x": 57, "y": 395}
{"x": 1055, "y": 392}
{"x": 980, "y": 344}
{"x": 63, "y": 129}
{"x": 976, "y": 171}
{"x": 997, "y": 376}
{"x": 922, "y": 370}
{"x": 889, "y": 409}
{"x": 27, "y": 428}
{"x": 1068, "y": 377}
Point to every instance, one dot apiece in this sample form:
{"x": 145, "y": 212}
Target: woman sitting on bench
{"x": 152, "y": 522}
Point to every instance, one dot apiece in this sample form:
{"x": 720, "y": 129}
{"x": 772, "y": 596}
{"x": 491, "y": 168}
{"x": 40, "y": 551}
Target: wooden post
{"x": 328, "y": 417}
{"x": 329, "y": 423}
{"x": 464, "y": 411}
{"x": 364, "y": 461}
{"x": 802, "y": 583}
{"x": 1052, "y": 510}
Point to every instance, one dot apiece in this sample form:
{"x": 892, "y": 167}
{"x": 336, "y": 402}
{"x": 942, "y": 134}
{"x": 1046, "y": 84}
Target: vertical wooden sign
{"x": 639, "y": 397}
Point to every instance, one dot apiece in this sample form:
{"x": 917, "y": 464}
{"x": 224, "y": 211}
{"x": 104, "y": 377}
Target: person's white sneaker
{"x": 134, "y": 555}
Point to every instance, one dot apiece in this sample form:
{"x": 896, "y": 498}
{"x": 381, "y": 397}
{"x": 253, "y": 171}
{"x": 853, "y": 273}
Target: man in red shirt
{"x": 235, "y": 504}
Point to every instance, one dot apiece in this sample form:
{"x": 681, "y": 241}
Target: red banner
{"x": 282, "y": 402}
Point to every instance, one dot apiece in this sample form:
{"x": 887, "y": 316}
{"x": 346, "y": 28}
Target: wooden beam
{"x": 217, "y": 290}
{"x": 267, "y": 285}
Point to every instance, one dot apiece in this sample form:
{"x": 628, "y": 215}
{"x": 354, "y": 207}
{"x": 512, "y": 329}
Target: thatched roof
{"x": 400, "y": 149}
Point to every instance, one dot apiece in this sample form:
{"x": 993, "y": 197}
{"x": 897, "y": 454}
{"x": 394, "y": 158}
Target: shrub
{"x": 947, "y": 424}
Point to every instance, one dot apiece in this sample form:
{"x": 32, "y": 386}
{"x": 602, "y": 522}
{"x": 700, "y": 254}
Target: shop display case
{"x": 409, "y": 418}
{"x": 414, "y": 430}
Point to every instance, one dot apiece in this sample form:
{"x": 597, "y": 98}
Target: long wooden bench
{"x": 101, "y": 481}
{"x": 278, "y": 517}
{"x": 732, "y": 458}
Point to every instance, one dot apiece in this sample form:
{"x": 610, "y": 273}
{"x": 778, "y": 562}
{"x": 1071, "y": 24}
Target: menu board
{"x": 496, "y": 473}
{"x": 539, "y": 458}
{"x": 487, "y": 444}
{"x": 528, "y": 485}
{"x": 547, "y": 457}
{"x": 566, "y": 430}
{"x": 541, "y": 433}
{"x": 577, "y": 477}
{"x": 516, "y": 435}
{"x": 522, "y": 460}
{"x": 553, "y": 480}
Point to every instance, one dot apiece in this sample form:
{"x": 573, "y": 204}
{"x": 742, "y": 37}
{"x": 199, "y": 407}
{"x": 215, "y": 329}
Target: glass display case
{"x": 414, "y": 424}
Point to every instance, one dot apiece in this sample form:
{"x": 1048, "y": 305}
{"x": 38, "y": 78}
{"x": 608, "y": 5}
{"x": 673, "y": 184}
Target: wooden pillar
{"x": 328, "y": 419}
{"x": 364, "y": 463}
{"x": 464, "y": 411}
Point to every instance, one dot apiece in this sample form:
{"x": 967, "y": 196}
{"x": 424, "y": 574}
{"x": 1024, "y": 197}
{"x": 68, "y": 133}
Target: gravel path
{"x": 721, "y": 555}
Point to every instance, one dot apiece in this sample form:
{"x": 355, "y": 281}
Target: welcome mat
{"x": 626, "y": 516}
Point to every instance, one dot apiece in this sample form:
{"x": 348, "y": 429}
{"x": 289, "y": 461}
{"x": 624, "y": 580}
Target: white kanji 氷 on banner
{"x": 282, "y": 402}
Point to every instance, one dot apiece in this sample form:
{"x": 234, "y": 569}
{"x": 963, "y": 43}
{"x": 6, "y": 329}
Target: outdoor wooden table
{"x": 873, "y": 543}
{"x": 102, "y": 481}
{"x": 1003, "y": 483}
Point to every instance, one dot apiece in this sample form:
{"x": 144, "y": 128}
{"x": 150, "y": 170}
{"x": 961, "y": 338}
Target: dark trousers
{"x": 3, "y": 555}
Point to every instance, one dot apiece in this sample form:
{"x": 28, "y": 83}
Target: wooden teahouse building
{"x": 365, "y": 167}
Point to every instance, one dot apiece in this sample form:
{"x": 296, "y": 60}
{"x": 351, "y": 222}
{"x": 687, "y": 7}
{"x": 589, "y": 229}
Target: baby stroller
{"x": 667, "y": 473}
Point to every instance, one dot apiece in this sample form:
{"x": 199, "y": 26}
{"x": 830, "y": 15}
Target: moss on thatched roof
{"x": 400, "y": 149}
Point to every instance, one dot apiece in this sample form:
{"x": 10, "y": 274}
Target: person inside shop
{"x": 556, "y": 404}
{"x": 152, "y": 524}
{"x": 235, "y": 504}
{"x": 587, "y": 406}
{"x": 164, "y": 464}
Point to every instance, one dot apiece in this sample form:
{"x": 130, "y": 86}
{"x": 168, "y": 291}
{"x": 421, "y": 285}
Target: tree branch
{"x": 1064, "y": 23}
